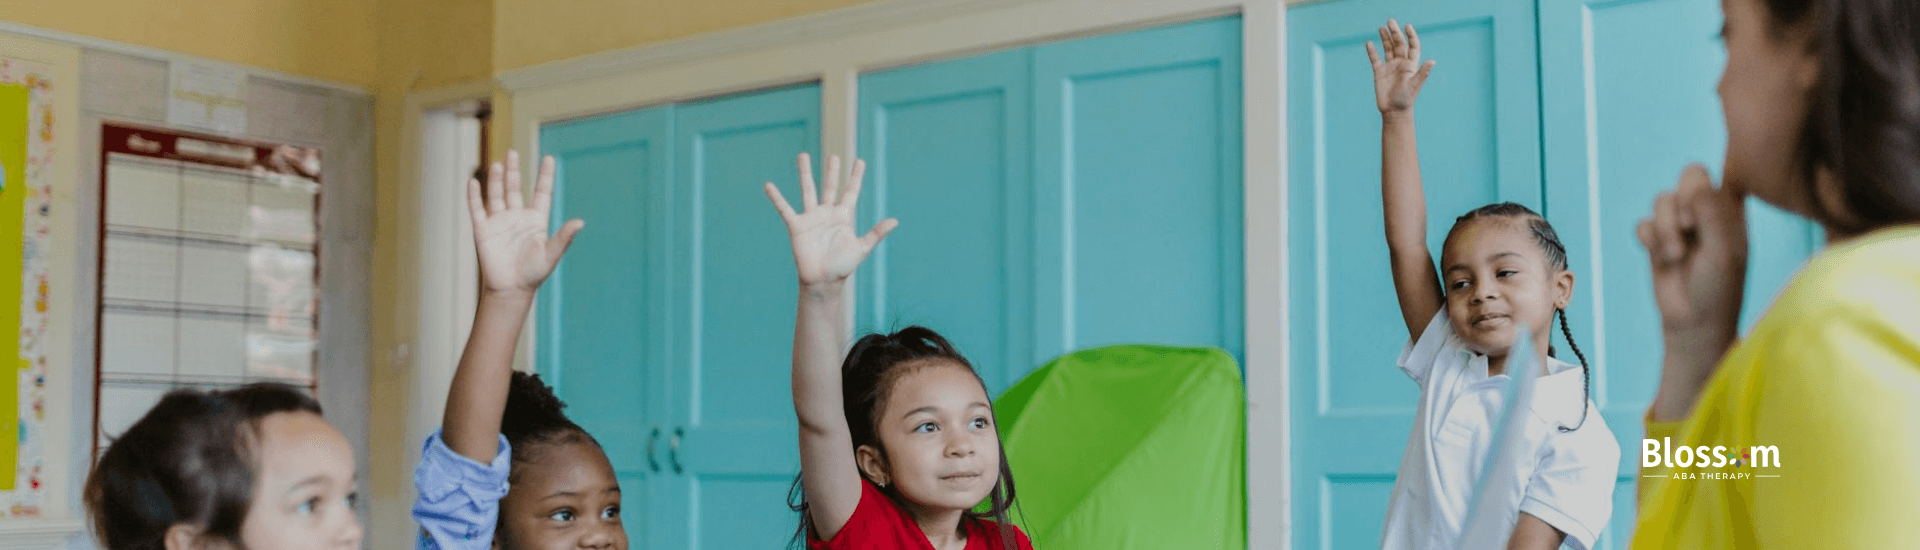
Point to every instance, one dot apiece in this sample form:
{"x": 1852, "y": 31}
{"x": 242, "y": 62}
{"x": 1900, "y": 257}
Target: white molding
{"x": 832, "y": 48}
{"x": 785, "y": 32}
{"x": 1263, "y": 78}
{"x": 96, "y": 43}
{"x": 38, "y": 534}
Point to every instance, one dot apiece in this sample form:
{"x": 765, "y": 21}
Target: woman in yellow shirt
{"x": 1807, "y": 433}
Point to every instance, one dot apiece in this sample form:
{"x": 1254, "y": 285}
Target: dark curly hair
{"x": 533, "y": 421}
{"x": 867, "y": 378}
{"x": 1863, "y": 116}
{"x": 188, "y": 460}
{"x": 1549, "y": 242}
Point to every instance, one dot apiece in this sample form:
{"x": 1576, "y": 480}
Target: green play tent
{"x": 1129, "y": 447}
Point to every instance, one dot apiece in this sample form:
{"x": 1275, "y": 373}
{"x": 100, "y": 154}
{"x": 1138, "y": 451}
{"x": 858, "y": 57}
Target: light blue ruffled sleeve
{"x": 459, "y": 498}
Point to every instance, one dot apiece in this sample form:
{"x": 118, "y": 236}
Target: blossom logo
{"x": 1662, "y": 453}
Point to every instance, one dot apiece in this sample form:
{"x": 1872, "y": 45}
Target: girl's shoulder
{"x": 1870, "y": 280}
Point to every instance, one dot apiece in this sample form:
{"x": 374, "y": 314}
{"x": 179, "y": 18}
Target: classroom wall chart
{"x": 26, "y": 147}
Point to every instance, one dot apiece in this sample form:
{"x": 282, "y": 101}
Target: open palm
{"x": 825, "y": 247}
{"x": 1398, "y": 77}
{"x": 509, "y": 235}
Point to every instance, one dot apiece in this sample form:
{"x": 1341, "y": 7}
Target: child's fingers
{"x": 1399, "y": 38}
{"x": 1420, "y": 78}
{"x": 1373, "y": 58}
{"x": 1386, "y": 43}
{"x": 808, "y": 197}
{"x": 543, "y": 186}
{"x": 1413, "y": 42}
{"x": 563, "y": 240}
{"x": 879, "y": 232}
{"x": 851, "y": 195}
{"x": 476, "y": 207}
{"x": 514, "y": 199}
{"x": 779, "y": 202}
{"x": 496, "y": 193}
{"x": 830, "y": 193}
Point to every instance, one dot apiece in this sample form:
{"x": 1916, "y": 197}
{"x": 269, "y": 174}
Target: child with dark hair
{"x": 1503, "y": 274}
{"x": 898, "y": 444}
{"x": 1817, "y": 404}
{"x": 508, "y": 469}
{"x": 253, "y": 467}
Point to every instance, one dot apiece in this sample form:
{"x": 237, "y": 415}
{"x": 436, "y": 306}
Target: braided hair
{"x": 1549, "y": 242}
{"x": 867, "y": 379}
{"x": 533, "y": 422}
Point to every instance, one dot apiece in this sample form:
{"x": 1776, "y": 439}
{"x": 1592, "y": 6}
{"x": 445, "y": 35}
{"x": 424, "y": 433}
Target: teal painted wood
{"x": 1628, "y": 97}
{"x": 1137, "y": 190}
{"x": 730, "y": 320}
{"x": 947, "y": 149}
{"x": 1479, "y": 143}
{"x": 599, "y": 316}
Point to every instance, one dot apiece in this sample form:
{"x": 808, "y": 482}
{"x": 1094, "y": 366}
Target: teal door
{"x": 1060, "y": 196}
{"x": 664, "y": 330}
{"x": 734, "y": 447}
{"x": 600, "y": 343}
{"x": 1478, "y": 131}
{"x": 1583, "y": 109}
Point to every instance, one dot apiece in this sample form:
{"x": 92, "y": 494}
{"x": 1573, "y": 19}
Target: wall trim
{"x": 136, "y": 50}
{"x": 38, "y": 534}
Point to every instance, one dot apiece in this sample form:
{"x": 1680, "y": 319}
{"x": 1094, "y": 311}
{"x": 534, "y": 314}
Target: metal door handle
{"x": 651, "y": 443}
{"x": 673, "y": 449}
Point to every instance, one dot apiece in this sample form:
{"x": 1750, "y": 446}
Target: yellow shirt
{"x": 1830, "y": 376}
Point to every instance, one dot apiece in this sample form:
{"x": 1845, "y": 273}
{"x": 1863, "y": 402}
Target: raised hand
{"x": 825, "y": 247}
{"x": 510, "y": 236}
{"x": 1696, "y": 240}
{"x": 1397, "y": 79}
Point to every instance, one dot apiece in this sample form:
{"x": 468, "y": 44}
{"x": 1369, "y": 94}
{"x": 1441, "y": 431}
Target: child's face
{"x": 1497, "y": 281}
{"x": 942, "y": 450}
{"x": 569, "y": 498}
{"x": 1763, "y": 94}
{"x": 303, "y": 492}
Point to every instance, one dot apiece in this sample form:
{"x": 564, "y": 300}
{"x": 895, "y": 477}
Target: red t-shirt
{"x": 879, "y": 524}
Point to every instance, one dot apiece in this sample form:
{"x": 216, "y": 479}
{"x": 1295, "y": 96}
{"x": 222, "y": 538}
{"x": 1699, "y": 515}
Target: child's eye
{"x": 924, "y": 427}
{"x": 353, "y": 501}
{"x": 1507, "y": 272}
{"x": 1457, "y": 285}
{"x": 612, "y": 512}
{"x": 561, "y": 515}
{"x": 306, "y": 508}
{"x": 980, "y": 423}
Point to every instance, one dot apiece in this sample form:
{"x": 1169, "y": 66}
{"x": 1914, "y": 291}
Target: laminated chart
{"x": 208, "y": 269}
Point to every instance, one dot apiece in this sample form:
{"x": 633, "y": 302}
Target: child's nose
{"x": 960, "y": 446}
{"x": 601, "y": 537}
{"x": 349, "y": 536}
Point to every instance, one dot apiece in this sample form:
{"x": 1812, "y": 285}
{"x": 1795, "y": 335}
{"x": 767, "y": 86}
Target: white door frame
{"x": 835, "y": 46}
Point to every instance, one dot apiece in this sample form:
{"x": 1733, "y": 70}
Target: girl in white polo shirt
{"x": 1503, "y": 272}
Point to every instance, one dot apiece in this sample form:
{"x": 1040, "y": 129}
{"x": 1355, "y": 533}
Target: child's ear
{"x": 1563, "y": 289}
{"x": 873, "y": 464}
{"x": 184, "y": 536}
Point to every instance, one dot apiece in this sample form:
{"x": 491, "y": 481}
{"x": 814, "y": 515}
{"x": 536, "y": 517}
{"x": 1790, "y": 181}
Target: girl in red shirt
{"x": 897, "y": 444}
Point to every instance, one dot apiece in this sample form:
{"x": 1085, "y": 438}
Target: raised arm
{"x": 825, "y": 252}
{"x": 1397, "y": 80}
{"x": 516, "y": 256}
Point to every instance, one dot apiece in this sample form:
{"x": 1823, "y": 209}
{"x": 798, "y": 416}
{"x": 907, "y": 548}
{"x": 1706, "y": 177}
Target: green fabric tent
{"x": 1129, "y": 447}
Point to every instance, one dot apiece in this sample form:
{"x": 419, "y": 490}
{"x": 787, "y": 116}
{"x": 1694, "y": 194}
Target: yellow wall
{"x": 331, "y": 39}
{"x": 531, "y": 32}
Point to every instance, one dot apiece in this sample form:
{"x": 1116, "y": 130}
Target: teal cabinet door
{"x": 733, "y": 449}
{"x": 599, "y": 318}
{"x": 947, "y": 147}
{"x": 1628, "y": 99}
{"x": 1138, "y": 190}
{"x": 1060, "y": 196}
{"x": 1478, "y": 123}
